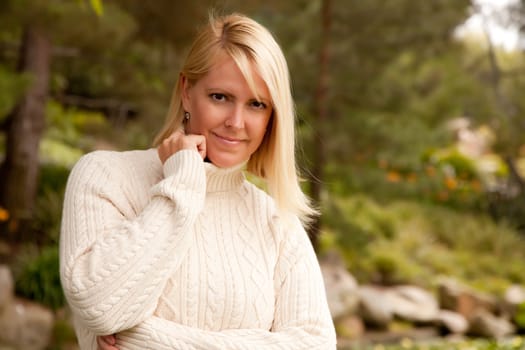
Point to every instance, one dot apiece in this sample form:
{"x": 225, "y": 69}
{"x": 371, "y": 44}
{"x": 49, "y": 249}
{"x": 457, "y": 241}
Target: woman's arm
{"x": 302, "y": 319}
{"x": 114, "y": 264}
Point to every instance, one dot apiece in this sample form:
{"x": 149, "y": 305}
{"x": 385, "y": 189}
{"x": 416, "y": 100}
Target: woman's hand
{"x": 107, "y": 342}
{"x": 177, "y": 141}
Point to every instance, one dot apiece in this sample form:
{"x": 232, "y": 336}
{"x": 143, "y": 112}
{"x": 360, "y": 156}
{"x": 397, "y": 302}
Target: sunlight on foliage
{"x": 67, "y": 135}
{"x": 97, "y": 6}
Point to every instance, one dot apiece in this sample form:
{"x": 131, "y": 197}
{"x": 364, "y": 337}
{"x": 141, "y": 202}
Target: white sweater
{"x": 185, "y": 255}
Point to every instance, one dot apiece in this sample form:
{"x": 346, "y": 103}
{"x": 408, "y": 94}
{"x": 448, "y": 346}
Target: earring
{"x": 186, "y": 116}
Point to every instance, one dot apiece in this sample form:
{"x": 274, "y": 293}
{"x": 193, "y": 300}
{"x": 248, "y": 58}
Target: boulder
{"x": 512, "y": 298}
{"x": 341, "y": 288}
{"x": 456, "y": 297}
{"x": 414, "y": 304}
{"x": 375, "y": 307}
{"x": 6, "y": 287}
{"x": 452, "y": 322}
{"x": 26, "y": 325}
{"x": 485, "y": 324}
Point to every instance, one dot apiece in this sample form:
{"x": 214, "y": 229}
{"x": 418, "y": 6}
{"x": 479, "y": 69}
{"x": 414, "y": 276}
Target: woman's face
{"x": 227, "y": 113}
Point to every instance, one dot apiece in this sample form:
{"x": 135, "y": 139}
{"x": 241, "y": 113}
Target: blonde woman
{"x": 172, "y": 248}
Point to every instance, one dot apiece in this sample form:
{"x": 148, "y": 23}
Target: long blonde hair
{"x": 248, "y": 42}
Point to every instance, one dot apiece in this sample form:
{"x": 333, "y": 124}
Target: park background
{"x": 411, "y": 129}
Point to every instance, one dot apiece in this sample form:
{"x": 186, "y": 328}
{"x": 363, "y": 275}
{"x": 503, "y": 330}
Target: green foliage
{"x": 47, "y": 216}
{"x": 63, "y": 335}
{"x": 48, "y": 211}
{"x": 12, "y": 86}
{"x": 520, "y": 316}
{"x": 70, "y": 133}
{"x": 38, "y": 277}
{"x": 404, "y": 241}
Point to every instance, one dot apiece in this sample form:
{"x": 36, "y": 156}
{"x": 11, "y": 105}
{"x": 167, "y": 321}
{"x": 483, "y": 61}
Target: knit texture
{"x": 185, "y": 255}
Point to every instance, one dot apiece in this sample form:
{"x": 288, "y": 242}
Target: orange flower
{"x": 393, "y": 176}
{"x": 451, "y": 183}
{"x": 4, "y": 215}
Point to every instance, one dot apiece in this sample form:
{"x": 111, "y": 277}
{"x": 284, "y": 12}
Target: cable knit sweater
{"x": 185, "y": 255}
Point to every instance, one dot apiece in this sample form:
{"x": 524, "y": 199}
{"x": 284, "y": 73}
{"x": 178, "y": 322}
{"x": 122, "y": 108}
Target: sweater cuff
{"x": 184, "y": 179}
{"x": 135, "y": 338}
{"x": 186, "y": 162}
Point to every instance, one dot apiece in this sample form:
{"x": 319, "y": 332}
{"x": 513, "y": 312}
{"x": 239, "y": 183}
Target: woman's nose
{"x": 236, "y": 118}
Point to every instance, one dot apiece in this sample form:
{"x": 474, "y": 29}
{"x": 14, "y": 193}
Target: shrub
{"x": 38, "y": 278}
{"x": 410, "y": 242}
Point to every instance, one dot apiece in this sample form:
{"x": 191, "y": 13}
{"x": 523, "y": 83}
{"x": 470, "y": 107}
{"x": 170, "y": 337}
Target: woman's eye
{"x": 258, "y": 105}
{"x": 218, "y": 97}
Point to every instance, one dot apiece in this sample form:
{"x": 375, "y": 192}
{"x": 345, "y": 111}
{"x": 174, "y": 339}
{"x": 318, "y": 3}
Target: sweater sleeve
{"x": 113, "y": 265}
{"x": 302, "y": 319}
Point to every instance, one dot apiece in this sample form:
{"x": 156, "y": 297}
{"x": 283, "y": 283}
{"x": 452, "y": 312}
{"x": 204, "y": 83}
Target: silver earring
{"x": 186, "y": 116}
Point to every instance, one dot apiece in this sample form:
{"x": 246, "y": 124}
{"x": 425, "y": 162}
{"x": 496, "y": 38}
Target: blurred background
{"x": 411, "y": 124}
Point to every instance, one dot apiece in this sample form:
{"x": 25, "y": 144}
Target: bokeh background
{"x": 411, "y": 132}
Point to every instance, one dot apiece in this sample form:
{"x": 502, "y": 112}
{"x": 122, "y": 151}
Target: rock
{"x": 485, "y": 324}
{"x": 515, "y": 295}
{"x": 26, "y": 325}
{"x": 6, "y": 287}
{"x": 512, "y": 298}
{"x": 414, "y": 304}
{"x": 341, "y": 289}
{"x": 453, "y": 322}
{"x": 461, "y": 299}
{"x": 375, "y": 307}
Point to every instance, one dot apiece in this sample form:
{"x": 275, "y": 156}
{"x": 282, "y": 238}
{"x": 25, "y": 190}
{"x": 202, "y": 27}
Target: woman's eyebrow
{"x": 219, "y": 91}
{"x": 231, "y": 95}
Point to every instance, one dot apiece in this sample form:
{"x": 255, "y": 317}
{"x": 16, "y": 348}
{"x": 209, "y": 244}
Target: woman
{"x": 172, "y": 248}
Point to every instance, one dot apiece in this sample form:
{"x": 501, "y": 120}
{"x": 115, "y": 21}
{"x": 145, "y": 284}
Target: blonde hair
{"x": 248, "y": 42}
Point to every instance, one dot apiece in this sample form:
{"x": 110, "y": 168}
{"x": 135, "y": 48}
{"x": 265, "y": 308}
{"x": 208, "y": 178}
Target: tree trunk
{"x": 321, "y": 117}
{"x": 24, "y": 130}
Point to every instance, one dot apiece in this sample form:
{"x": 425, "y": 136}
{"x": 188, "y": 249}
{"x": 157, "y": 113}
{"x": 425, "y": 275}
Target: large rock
{"x": 26, "y": 325}
{"x": 414, "y": 304}
{"x": 375, "y": 307}
{"x": 6, "y": 287}
{"x": 456, "y": 297}
{"x": 452, "y": 322}
{"x": 341, "y": 288}
{"x": 512, "y": 298}
{"x": 485, "y": 324}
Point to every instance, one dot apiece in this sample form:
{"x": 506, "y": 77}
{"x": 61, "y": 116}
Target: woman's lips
{"x": 228, "y": 140}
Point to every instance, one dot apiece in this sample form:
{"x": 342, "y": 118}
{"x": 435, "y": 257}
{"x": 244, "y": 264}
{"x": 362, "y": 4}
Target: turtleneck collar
{"x": 223, "y": 179}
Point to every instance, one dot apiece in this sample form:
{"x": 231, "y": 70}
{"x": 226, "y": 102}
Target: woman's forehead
{"x": 227, "y": 70}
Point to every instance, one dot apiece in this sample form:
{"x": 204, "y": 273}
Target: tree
{"x": 38, "y": 22}
{"x": 24, "y": 130}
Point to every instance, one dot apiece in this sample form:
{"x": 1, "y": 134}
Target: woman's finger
{"x": 107, "y": 342}
{"x": 178, "y": 141}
